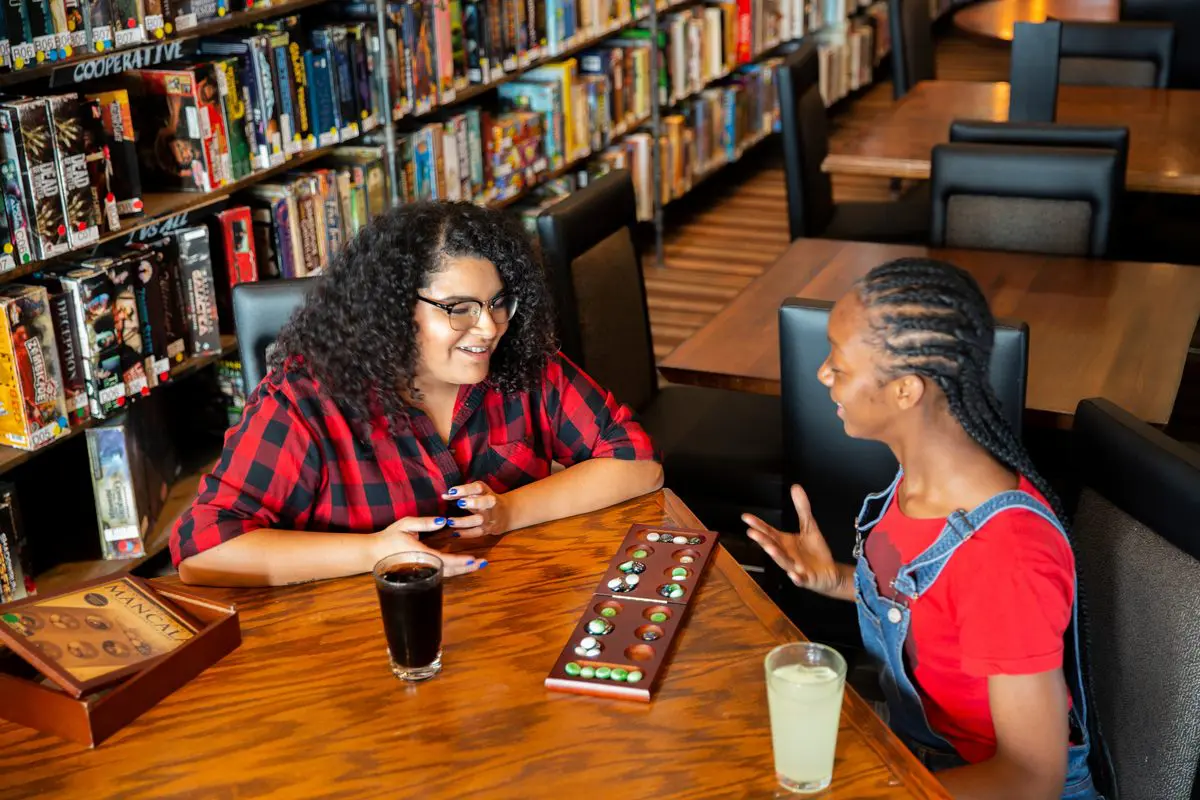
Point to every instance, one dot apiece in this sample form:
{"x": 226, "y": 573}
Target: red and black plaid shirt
{"x": 294, "y": 462}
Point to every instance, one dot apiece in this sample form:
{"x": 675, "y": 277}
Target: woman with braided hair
{"x": 965, "y": 611}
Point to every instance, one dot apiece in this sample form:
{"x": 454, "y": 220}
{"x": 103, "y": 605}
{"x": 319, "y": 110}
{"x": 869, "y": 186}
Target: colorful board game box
{"x": 25, "y": 125}
{"x": 161, "y": 293}
{"x": 92, "y": 298}
{"x": 234, "y": 257}
{"x": 80, "y": 201}
{"x": 127, "y": 324}
{"x": 126, "y": 181}
{"x": 70, "y": 357}
{"x": 198, "y": 291}
{"x": 121, "y": 505}
{"x": 33, "y": 410}
{"x": 99, "y": 166}
{"x": 183, "y": 144}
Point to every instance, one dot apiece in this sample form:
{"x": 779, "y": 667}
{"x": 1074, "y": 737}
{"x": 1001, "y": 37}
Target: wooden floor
{"x": 735, "y": 226}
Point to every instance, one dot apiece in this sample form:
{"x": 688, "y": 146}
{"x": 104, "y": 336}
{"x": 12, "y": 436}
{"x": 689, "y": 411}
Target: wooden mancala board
{"x": 623, "y": 639}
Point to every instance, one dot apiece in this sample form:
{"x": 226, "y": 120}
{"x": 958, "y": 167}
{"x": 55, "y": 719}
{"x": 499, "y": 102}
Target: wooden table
{"x": 994, "y": 19}
{"x": 1163, "y": 125}
{"x": 307, "y": 707}
{"x": 1118, "y": 330}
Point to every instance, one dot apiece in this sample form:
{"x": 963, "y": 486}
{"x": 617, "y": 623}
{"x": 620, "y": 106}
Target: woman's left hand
{"x": 490, "y": 517}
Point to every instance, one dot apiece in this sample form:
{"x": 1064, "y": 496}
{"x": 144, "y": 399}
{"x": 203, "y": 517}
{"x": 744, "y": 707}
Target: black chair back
{"x": 1134, "y": 54}
{"x": 805, "y": 142}
{"x": 595, "y": 276}
{"x": 1033, "y": 73}
{"x": 1045, "y": 134}
{"x": 1026, "y": 199}
{"x": 1137, "y": 551}
{"x": 1185, "y": 16}
{"x": 260, "y": 310}
{"x": 836, "y": 471}
{"x": 913, "y": 54}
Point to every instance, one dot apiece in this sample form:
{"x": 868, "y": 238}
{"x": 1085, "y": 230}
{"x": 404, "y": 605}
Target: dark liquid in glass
{"x": 411, "y": 603}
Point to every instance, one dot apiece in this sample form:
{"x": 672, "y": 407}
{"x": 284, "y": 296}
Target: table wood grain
{"x": 994, "y": 19}
{"x": 1118, "y": 330}
{"x": 1163, "y": 152}
{"x": 307, "y": 707}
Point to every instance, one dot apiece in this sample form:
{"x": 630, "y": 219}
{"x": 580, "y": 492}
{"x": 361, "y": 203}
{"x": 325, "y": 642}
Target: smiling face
{"x": 448, "y": 356}
{"x": 869, "y": 404}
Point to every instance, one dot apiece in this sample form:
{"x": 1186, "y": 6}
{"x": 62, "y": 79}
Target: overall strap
{"x": 962, "y": 526}
{"x": 861, "y": 528}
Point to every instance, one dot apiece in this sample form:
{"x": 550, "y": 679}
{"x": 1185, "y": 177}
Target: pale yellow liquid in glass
{"x": 805, "y": 704}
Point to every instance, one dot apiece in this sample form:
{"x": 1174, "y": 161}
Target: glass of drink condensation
{"x": 805, "y": 682}
{"x": 410, "y": 599}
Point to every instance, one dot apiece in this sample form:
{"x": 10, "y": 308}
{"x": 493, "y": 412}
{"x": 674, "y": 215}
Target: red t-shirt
{"x": 1000, "y": 607}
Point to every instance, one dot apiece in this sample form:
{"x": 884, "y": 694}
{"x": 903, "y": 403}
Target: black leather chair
{"x": 1136, "y": 54}
{"x": 1137, "y": 550}
{"x": 1185, "y": 16}
{"x": 838, "y": 472}
{"x": 913, "y": 54}
{"x": 1027, "y": 199}
{"x": 722, "y": 450}
{"x": 260, "y": 310}
{"x": 1033, "y": 72}
{"x": 811, "y": 209}
{"x": 1045, "y": 134}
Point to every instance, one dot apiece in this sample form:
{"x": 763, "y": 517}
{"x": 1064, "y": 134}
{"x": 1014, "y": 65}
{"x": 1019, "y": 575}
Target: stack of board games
{"x": 16, "y": 556}
{"x": 622, "y": 642}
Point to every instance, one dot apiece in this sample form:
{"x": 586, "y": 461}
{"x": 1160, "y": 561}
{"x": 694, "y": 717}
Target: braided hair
{"x": 931, "y": 319}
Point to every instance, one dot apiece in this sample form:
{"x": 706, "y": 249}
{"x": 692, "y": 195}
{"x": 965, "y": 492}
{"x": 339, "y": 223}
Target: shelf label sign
{"x": 138, "y": 58}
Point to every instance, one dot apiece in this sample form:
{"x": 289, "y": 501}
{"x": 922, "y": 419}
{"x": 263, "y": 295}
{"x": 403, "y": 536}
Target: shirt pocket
{"x": 511, "y": 465}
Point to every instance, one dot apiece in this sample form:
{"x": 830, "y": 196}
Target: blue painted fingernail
{"x": 455, "y": 535}
{"x": 482, "y": 564}
{"x": 462, "y": 503}
{"x": 450, "y": 521}
{"x": 470, "y": 561}
{"x": 439, "y": 520}
{"x": 452, "y": 491}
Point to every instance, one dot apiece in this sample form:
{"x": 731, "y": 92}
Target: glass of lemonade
{"x": 804, "y": 691}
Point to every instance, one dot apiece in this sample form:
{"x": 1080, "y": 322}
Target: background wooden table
{"x": 994, "y": 19}
{"x": 307, "y": 707}
{"x": 1163, "y": 124}
{"x": 1118, "y": 330}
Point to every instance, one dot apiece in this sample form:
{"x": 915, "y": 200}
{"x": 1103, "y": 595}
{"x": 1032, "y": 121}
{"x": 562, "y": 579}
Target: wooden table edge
{"x": 898, "y": 758}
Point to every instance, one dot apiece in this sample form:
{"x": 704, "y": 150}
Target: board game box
{"x": 198, "y": 291}
{"x": 70, "y": 358}
{"x": 126, "y": 181}
{"x": 79, "y": 200}
{"x": 33, "y": 410}
{"x": 16, "y": 556}
{"x": 121, "y": 504}
{"x": 92, "y": 307}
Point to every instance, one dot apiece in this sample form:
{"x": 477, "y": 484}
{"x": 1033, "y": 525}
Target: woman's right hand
{"x": 403, "y": 535}
{"x": 804, "y": 556}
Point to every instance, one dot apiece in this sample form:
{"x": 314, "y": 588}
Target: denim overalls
{"x": 884, "y": 623}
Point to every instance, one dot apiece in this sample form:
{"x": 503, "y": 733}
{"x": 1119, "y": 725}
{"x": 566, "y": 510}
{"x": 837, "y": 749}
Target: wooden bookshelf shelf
{"x": 72, "y": 572}
{"x": 62, "y": 72}
{"x": 11, "y": 457}
{"x": 168, "y": 211}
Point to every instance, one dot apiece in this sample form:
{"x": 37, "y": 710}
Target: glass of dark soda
{"x": 410, "y": 598}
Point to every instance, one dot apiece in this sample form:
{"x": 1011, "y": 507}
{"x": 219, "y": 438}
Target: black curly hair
{"x": 931, "y": 319}
{"x": 356, "y": 333}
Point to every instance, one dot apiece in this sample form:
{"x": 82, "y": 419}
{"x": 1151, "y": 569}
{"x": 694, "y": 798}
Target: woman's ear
{"x": 908, "y": 391}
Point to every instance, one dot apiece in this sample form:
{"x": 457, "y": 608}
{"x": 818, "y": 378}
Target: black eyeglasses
{"x": 465, "y": 313}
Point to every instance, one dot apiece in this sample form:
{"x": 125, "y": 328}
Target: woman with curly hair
{"x": 418, "y": 389}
